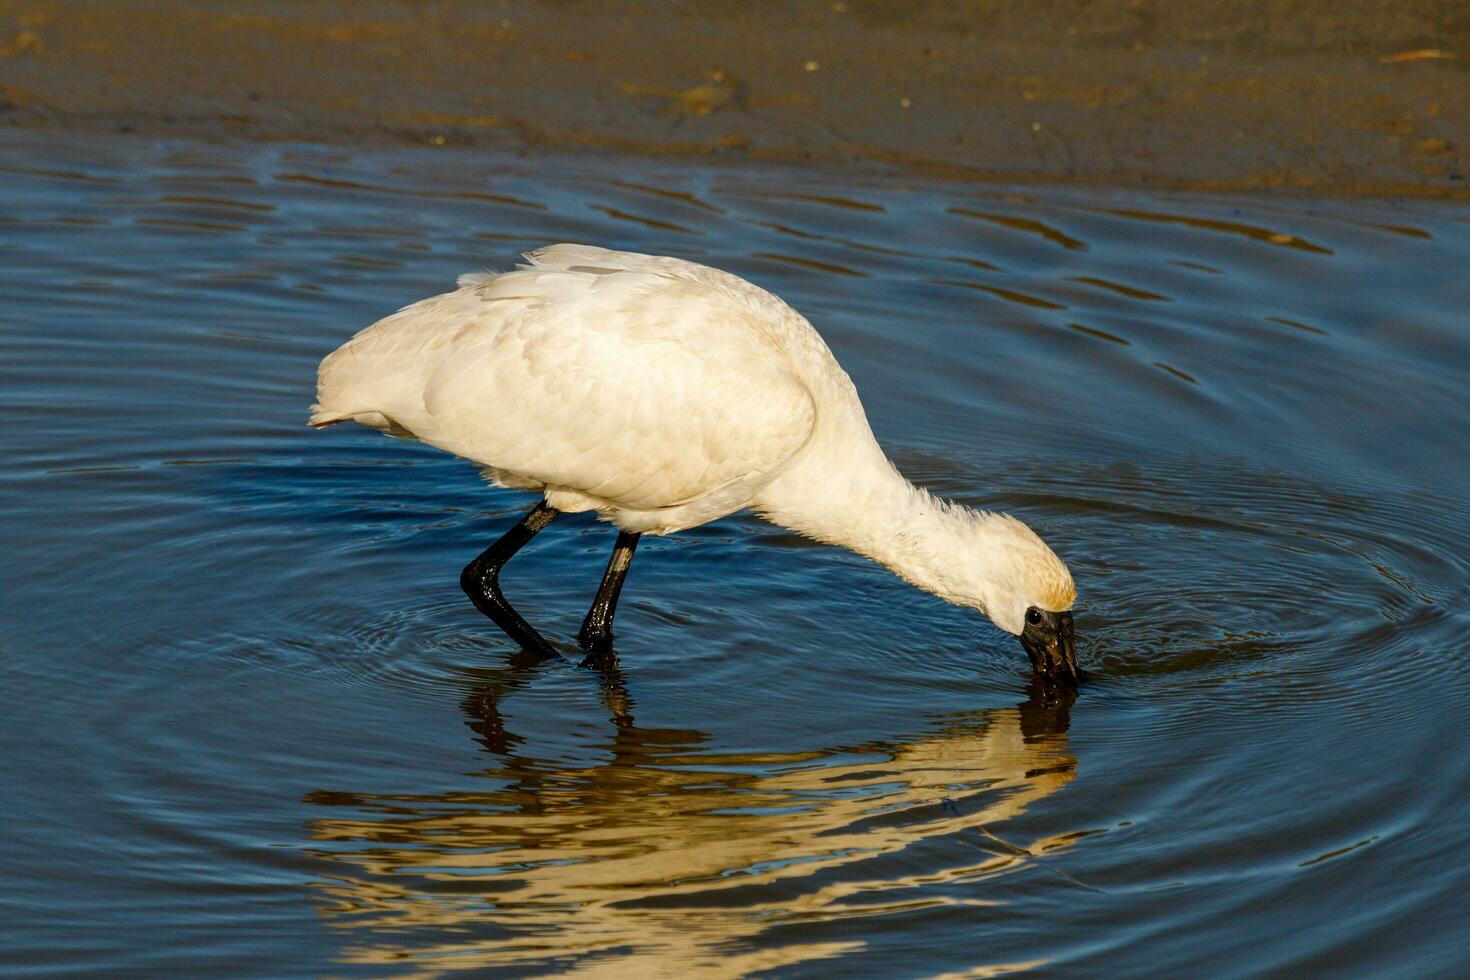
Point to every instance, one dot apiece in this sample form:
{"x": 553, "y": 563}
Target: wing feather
{"x": 641, "y": 381}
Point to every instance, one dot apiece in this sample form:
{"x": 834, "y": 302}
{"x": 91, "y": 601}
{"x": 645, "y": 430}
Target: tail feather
{"x": 320, "y": 418}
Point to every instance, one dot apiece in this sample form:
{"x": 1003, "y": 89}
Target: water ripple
{"x": 253, "y": 722}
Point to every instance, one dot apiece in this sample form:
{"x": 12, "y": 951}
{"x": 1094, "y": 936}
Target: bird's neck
{"x": 854, "y": 497}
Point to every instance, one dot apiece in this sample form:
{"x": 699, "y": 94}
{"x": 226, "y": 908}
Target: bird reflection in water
{"x": 671, "y": 854}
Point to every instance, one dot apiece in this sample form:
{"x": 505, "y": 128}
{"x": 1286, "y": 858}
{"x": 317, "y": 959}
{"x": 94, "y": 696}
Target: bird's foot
{"x": 603, "y": 661}
{"x": 527, "y": 658}
{"x": 595, "y": 638}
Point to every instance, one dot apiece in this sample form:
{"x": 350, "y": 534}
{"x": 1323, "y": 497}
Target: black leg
{"x": 596, "y": 634}
{"x": 481, "y": 580}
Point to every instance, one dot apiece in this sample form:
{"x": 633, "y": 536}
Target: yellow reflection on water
{"x": 669, "y": 857}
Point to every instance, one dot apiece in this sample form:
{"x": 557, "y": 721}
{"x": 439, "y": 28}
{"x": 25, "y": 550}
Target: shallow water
{"x": 253, "y": 727}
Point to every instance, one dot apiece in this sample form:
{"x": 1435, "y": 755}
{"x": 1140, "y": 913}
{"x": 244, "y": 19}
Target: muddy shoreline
{"x": 1331, "y": 97}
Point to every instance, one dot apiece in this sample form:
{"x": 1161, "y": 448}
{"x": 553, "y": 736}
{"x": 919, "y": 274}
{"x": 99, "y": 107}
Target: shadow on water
{"x": 668, "y": 850}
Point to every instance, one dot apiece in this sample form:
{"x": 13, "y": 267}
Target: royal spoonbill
{"x": 663, "y": 394}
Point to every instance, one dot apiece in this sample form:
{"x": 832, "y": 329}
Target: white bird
{"x": 663, "y": 394}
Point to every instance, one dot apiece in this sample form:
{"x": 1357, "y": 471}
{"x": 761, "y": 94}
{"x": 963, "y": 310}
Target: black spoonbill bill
{"x": 662, "y": 395}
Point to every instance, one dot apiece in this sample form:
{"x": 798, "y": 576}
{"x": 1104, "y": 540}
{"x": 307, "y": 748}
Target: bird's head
{"x": 1026, "y": 590}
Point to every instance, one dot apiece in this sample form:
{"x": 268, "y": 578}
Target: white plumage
{"x": 664, "y": 394}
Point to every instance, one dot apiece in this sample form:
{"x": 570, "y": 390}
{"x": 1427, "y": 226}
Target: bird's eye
{"x": 1033, "y": 617}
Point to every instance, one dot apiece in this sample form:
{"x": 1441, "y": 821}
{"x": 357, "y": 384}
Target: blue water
{"x": 253, "y": 727}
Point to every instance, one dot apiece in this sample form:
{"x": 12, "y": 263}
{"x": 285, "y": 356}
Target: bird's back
{"x": 630, "y": 384}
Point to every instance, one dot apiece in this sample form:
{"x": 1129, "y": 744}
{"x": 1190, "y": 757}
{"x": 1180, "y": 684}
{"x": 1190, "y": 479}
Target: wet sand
{"x": 1335, "y": 97}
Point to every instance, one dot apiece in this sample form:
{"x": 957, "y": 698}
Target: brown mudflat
{"x": 1335, "y": 96}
